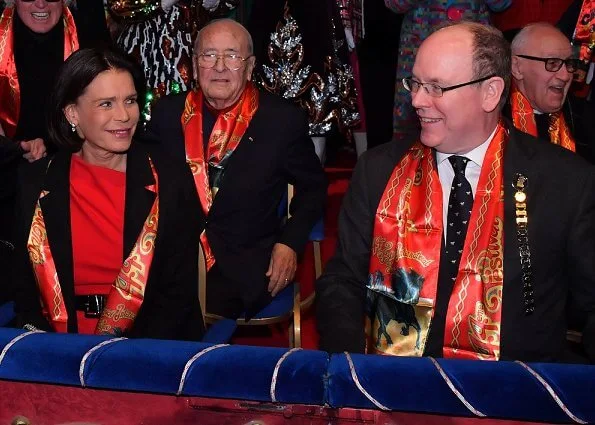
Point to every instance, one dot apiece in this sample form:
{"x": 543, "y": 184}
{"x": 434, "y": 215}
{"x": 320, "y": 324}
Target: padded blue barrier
{"x": 554, "y": 393}
{"x": 506, "y": 390}
{"x": 44, "y": 357}
{"x": 158, "y": 366}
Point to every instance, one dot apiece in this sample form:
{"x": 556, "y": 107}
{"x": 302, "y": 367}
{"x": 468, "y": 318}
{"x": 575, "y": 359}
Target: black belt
{"x": 92, "y": 305}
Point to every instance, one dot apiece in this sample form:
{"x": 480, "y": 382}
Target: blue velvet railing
{"x": 504, "y": 390}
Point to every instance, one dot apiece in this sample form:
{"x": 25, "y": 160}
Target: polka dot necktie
{"x": 460, "y": 204}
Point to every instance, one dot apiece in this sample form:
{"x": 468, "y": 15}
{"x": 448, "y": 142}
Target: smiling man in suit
{"x": 242, "y": 147}
{"x": 541, "y": 104}
{"x": 468, "y": 245}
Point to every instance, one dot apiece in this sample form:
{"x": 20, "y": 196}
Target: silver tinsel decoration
{"x": 329, "y": 99}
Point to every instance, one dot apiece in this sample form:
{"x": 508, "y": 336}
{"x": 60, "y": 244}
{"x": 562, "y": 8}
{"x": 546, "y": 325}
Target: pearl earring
{"x": 73, "y": 127}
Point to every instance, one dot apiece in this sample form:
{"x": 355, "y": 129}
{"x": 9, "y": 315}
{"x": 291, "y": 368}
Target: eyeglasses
{"x": 231, "y": 61}
{"x": 435, "y": 90}
{"x": 554, "y": 64}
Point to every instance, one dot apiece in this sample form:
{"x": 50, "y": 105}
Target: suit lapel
{"x": 139, "y": 199}
{"x": 55, "y": 206}
{"x": 222, "y": 192}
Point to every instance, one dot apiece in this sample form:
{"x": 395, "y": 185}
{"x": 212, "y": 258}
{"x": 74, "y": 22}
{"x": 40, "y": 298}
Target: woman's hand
{"x": 34, "y": 149}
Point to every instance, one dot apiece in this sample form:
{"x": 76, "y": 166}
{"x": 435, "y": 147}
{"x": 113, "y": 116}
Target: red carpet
{"x": 338, "y": 174}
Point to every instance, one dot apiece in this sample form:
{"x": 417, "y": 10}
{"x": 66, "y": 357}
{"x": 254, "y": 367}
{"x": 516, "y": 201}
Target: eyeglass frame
{"x": 545, "y": 61}
{"x": 222, "y": 57}
{"x": 405, "y": 83}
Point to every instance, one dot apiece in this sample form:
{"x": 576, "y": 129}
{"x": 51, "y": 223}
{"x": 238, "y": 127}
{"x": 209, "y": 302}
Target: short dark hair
{"x": 491, "y": 53}
{"x": 74, "y": 76}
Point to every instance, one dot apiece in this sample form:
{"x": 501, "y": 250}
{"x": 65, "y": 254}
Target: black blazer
{"x": 561, "y": 208}
{"x": 10, "y": 153}
{"x": 243, "y": 223}
{"x": 170, "y": 309}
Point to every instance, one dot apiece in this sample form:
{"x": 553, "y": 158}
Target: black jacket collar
{"x": 55, "y": 206}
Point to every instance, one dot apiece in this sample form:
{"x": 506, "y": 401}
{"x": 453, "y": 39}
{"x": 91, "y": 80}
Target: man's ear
{"x": 251, "y": 63}
{"x": 516, "y": 68}
{"x": 492, "y": 93}
{"x": 195, "y": 67}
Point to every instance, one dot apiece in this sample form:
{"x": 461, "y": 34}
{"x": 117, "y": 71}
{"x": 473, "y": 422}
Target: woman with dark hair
{"x": 36, "y": 36}
{"x": 107, "y": 232}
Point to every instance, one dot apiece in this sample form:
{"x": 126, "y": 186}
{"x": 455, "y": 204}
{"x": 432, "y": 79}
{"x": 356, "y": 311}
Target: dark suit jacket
{"x": 561, "y": 210}
{"x": 243, "y": 223}
{"x": 170, "y": 309}
{"x": 10, "y": 153}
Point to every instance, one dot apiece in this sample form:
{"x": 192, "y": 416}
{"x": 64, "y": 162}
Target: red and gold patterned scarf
{"x": 405, "y": 260}
{"x": 10, "y": 92}
{"x": 523, "y": 119}
{"x": 225, "y": 138}
{"x": 584, "y": 36}
{"x": 127, "y": 293}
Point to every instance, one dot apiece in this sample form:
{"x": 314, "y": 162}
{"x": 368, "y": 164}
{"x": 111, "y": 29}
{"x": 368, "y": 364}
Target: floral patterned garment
{"x": 419, "y": 20}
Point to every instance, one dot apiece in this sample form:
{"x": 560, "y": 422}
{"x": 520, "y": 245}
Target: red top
{"x": 97, "y": 197}
{"x": 523, "y": 12}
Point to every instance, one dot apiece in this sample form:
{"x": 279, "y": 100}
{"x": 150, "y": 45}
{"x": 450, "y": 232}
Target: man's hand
{"x": 34, "y": 149}
{"x": 281, "y": 268}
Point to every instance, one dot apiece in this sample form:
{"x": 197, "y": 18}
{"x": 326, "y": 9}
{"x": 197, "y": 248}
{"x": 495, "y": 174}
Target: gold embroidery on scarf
{"x": 120, "y": 312}
{"x": 484, "y": 334}
{"x": 418, "y": 256}
{"x": 385, "y": 252}
{"x": 394, "y": 183}
{"x": 37, "y": 238}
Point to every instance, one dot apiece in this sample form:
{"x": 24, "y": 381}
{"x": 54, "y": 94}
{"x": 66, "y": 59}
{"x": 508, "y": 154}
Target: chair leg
{"x": 202, "y": 283}
{"x": 317, "y": 259}
{"x": 295, "y": 331}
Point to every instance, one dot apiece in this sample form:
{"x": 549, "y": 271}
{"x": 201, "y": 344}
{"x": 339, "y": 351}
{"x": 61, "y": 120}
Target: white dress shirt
{"x": 472, "y": 172}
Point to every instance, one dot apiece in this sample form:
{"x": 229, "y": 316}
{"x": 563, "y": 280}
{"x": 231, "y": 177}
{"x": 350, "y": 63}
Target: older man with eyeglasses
{"x": 474, "y": 241}
{"x": 543, "y": 66}
{"x": 242, "y": 147}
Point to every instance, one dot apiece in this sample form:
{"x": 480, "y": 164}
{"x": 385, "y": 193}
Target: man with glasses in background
{"x": 543, "y": 66}
{"x": 472, "y": 242}
{"x": 242, "y": 148}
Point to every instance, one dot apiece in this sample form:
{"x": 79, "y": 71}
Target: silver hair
{"x": 214, "y": 21}
{"x": 12, "y": 2}
{"x": 524, "y": 35}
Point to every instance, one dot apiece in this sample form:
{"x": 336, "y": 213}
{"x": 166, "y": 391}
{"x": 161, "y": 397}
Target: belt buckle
{"x": 94, "y": 306}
